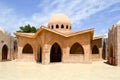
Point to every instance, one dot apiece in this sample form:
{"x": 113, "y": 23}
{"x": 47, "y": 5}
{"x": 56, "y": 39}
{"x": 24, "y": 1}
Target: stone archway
{"x": 55, "y": 53}
{"x": 27, "y": 49}
{"x": 95, "y": 50}
{"x": 4, "y": 52}
{"x": 76, "y": 49}
{"x": 27, "y": 53}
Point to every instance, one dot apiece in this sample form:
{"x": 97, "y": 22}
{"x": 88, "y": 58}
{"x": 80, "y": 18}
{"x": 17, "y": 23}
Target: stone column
{"x": 19, "y": 54}
{"x": 87, "y": 53}
{"x": 65, "y": 54}
{"x": 9, "y": 52}
{"x": 100, "y": 53}
{"x": 35, "y": 53}
{"x": 46, "y": 54}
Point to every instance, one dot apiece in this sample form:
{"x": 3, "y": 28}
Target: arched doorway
{"x": 95, "y": 50}
{"x": 55, "y": 53}
{"x": 4, "y": 52}
{"x": 76, "y": 49}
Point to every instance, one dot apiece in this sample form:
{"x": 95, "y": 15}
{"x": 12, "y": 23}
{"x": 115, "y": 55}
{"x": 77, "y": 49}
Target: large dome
{"x": 60, "y": 22}
{"x": 59, "y": 18}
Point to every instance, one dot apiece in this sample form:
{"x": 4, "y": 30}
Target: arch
{"x": 52, "y": 27}
{"x": 27, "y": 49}
{"x": 57, "y": 26}
{"x": 4, "y": 52}
{"x": 95, "y": 50}
{"x": 66, "y": 26}
{"x": 55, "y": 53}
{"x": 76, "y": 49}
{"x": 62, "y": 26}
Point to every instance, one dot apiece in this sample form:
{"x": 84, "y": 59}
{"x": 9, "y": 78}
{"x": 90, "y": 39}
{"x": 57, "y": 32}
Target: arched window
{"x": 66, "y": 26}
{"x": 27, "y": 49}
{"x": 57, "y": 26}
{"x": 95, "y": 50}
{"x": 76, "y": 49}
{"x": 62, "y": 26}
{"x": 52, "y": 27}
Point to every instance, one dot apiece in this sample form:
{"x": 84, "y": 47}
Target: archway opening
{"x": 27, "y": 53}
{"x": 95, "y": 50}
{"x": 27, "y": 49}
{"x": 4, "y": 52}
{"x": 76, "y": 49}
{"x": 39, "y": 55}
{"x": 55, "y": 53}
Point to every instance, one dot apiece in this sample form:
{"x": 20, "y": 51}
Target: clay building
{"x": 57, "y": 43}
{"x": 6, "y": 46}
{"x": 99, "y": 47}
{"x": 114, "y": 44}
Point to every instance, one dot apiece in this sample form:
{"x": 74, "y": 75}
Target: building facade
{"x": 6, "y": 46}
{"x": 114, "y": 44}
{"x": 57, "y": 43}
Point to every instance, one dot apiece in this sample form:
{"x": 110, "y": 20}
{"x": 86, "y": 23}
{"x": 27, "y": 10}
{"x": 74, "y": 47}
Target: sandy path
{"x": 12, "y": 70}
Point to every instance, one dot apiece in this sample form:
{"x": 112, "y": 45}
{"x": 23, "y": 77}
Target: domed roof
{"x": 59, "y": 19}
{"x": 2, "y": 30}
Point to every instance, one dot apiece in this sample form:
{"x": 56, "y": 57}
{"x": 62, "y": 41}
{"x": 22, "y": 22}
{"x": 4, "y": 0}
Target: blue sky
{"x": 84, "y": 14}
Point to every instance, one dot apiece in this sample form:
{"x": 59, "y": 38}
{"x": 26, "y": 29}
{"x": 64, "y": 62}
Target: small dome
{"x": 59, "y": 19}
{"x": 60, "y": 22}
{"x": 2, "y": 30}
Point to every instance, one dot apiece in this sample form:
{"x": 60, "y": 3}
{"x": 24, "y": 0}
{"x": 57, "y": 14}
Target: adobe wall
{"x": 6, "y": 39}
{"x": 113, "y": 43}
{"x": 98, "y": 42}
{"x": 118, "y": 45}
{"x": 65, "y": 44}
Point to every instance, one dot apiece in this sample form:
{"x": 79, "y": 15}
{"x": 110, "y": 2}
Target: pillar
{"x": 100, "y": 53}
{"x": 87, "y": 53}
{"x": 65, "y": 54}
{"x": 46, "y": 54}
{"x": 19, "y": 54}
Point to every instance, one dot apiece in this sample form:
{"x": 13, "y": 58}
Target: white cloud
{"x": 75, "y": 9}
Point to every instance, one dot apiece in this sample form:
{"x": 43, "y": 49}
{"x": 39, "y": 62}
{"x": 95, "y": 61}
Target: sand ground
{"x": 12, "y": 70}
